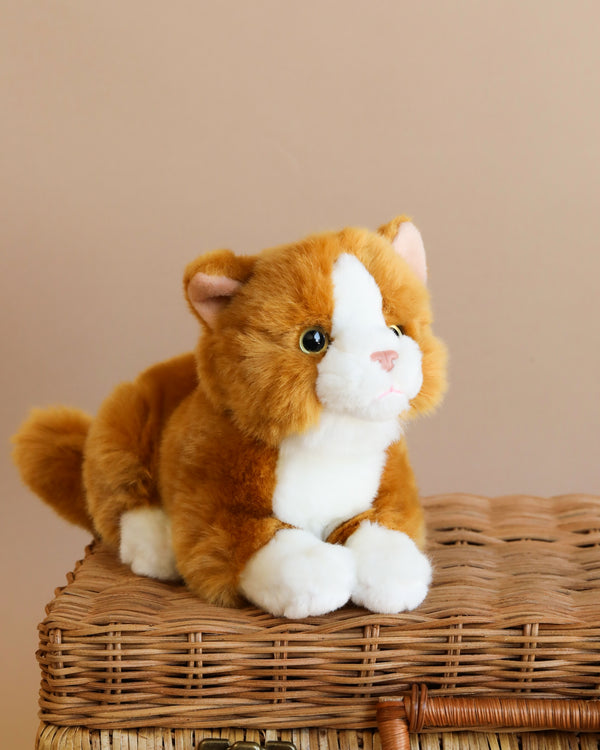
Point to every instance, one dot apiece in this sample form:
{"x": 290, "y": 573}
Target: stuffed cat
{"x": 270, "y": 465}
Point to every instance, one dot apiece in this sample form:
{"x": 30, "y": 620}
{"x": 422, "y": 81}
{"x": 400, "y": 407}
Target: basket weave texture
{"x": 514, "y": 610}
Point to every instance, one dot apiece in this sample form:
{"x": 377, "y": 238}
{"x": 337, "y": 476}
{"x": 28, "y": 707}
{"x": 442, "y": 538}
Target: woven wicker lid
{"x": 514, "y": 608}
{"x": 503, "y": 560}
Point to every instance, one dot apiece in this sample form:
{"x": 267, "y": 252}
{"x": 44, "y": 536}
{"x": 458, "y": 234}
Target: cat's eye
{"x": 398, "y": 330}
{"x": 314, "y": 340}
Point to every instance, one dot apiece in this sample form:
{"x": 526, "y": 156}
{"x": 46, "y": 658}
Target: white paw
{"x": 298, "y": 575}
{"x": 146, "y": 543}
{"x": 393, "y": 575}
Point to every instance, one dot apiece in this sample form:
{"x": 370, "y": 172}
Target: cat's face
{"x": 371, "y": 369}
{"x": 339, "y": 322}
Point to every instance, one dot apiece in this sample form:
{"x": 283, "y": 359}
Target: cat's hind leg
{"x": 146, "y": 543}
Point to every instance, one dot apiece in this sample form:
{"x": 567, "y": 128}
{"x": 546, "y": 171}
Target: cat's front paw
{"x": 393, "y": 575}
{"x": 297, "y": 575}
{"x": 146, "y": 543}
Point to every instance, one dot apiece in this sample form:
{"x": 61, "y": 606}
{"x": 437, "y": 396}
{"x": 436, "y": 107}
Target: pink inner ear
{"x": 409, "y": 244}
{"x": 209, "y": 295}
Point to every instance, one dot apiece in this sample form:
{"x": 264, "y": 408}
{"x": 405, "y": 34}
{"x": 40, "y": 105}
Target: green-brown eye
{"x": 398, "y": 330}
{"x": 314, "y": 340}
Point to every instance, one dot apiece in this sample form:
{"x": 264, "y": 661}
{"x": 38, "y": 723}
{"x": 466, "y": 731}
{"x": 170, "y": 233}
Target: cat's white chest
{"x": 331, "y": 473}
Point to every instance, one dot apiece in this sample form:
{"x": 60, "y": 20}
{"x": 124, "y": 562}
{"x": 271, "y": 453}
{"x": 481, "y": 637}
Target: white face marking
{"x": 332, "y": 472}
{"x": 350, "y": 381}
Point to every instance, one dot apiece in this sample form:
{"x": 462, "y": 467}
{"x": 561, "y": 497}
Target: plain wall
{"x": 136, "y": 135}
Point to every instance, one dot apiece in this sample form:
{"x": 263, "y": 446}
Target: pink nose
{"x": 386, "y": 359}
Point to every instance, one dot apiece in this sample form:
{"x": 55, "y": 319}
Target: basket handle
{"x": 396, "y": 717}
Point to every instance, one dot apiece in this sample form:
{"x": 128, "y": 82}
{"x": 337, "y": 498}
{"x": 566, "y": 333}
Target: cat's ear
{"x": 408, "y": 243}
{"x": 212, "y": 280}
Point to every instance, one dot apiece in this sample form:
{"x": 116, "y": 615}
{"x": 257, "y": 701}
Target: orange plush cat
{"x": 270, "y": 465}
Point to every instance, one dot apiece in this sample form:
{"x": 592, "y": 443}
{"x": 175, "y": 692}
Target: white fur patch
{"x": 393, "y": 575}
{"x": 331, "y": 472}
{"x": 146, "y": 543}
{"x": 349, "y": 380}
{"x": 297, "y": 575}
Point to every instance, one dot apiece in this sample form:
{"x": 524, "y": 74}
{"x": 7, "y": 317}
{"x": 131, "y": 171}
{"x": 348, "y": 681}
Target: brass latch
{"x": 216, "y": 743}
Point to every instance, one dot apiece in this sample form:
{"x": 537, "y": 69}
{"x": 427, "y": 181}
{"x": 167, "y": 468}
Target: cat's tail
{"x": 48, "y": 451}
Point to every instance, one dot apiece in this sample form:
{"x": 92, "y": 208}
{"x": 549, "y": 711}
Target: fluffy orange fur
{"x": 199, "y": 434}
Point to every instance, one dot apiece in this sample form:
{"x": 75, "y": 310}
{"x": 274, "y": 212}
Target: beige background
{"x": 135, "y": 135}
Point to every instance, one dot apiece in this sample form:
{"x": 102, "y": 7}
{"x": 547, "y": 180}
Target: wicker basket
{"x": 514, "y": 613}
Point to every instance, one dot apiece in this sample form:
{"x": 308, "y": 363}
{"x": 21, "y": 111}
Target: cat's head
{"x": 339, "y": 321}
